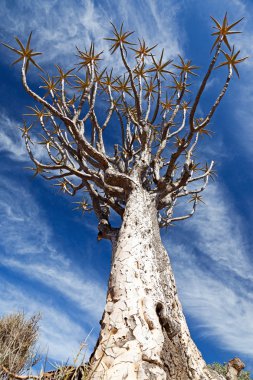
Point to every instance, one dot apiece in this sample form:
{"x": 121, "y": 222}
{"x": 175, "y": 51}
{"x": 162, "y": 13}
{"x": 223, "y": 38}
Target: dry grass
{"x": 18, "y": 336}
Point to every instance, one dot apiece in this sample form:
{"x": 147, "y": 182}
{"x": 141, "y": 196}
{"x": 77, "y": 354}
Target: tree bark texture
{"x": 144, "y": 334}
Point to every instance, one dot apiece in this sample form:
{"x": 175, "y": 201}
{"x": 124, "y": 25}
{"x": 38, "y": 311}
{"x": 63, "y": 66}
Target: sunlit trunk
{"x": 144, "y": 334}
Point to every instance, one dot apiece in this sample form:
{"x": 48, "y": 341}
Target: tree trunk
{"x": 144, "y": 334}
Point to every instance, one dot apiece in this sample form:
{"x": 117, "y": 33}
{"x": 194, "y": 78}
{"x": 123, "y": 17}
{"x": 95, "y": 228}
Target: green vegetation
{"x": 222, "y": 370}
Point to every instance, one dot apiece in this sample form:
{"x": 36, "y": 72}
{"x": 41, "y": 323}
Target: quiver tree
{"x": 156, "y": 128}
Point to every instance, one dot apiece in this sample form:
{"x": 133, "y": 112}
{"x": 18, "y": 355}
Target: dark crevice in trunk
{"x": 171, "y": 327}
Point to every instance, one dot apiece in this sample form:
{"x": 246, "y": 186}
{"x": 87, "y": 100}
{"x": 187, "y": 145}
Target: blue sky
{"x": 50, "y": 260}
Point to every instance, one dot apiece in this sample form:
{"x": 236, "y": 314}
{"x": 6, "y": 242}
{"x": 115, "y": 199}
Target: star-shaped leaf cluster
{"x": 37, "y": 170}
{"x": 63, "y": 75}
{"x": 25, "y": 130}
{"x": 63, "y": 186}
{"x": 89, "y": 57}
{"x": 196, "y": 198}
{"x": 122, "y": 85}
{"x": 25, "y": 52}
{"x": 186, "y": 66}
{"x": 140, "y": 71}
{"x": 48, "y": 142}
{"x": 195, "y": 167}
{"x": 37, "y": 112}
{"x": 49, "y": 84}
{"x": 159, "y": 67}
{"x": 185, "y": 105}
{"x": 179, "y": 85}
{"x": 167, "y": 104}
{"x": 223, "y": 30}
{"x": 120, "y": 38}
{"x": 83, "y": 206}
{"x": 150, "y": 89}
{"x": 211, "y": 173}
{"x": 231, "y": 60}
{"x": 107, "y": 80}
{"x": 143, "y": 51}
{"x": 81, "y": 85}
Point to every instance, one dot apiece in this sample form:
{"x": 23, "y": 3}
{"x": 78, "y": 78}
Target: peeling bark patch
{"x": 114, "y": 330}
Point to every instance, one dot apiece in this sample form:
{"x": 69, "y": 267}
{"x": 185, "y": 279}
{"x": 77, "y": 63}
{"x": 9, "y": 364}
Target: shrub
{"x": 222, "y": 370}
{"x": 18, "y": 336}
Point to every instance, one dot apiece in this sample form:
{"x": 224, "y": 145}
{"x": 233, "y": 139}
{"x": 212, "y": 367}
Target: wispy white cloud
{"x": 218, "y": 232}
{"x": 214, "y": 272}
{"x": 23, "y": 230}
{"x": 218, "y": 310}
{"x": 66, "y": 279}
{"x": 64, "y": 25}
{"x": 28, "y": 250}
{"x": 11, "y": 142}
{"x": 156, "y": 22}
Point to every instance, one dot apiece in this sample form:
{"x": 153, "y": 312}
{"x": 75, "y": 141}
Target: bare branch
{"x": 218, "y": 100}
{"x": 204, "y": 82}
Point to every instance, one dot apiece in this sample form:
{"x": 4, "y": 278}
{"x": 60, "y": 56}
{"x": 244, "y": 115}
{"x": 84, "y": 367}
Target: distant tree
{"x": 135, "y": 159}
{"x": 18, "y": 336}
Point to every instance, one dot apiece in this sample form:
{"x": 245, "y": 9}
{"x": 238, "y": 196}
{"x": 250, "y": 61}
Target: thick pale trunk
{"x": 144, "y": 334}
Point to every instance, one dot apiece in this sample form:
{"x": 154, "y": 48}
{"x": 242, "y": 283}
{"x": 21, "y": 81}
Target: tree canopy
{"x": 150, "y": 125}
